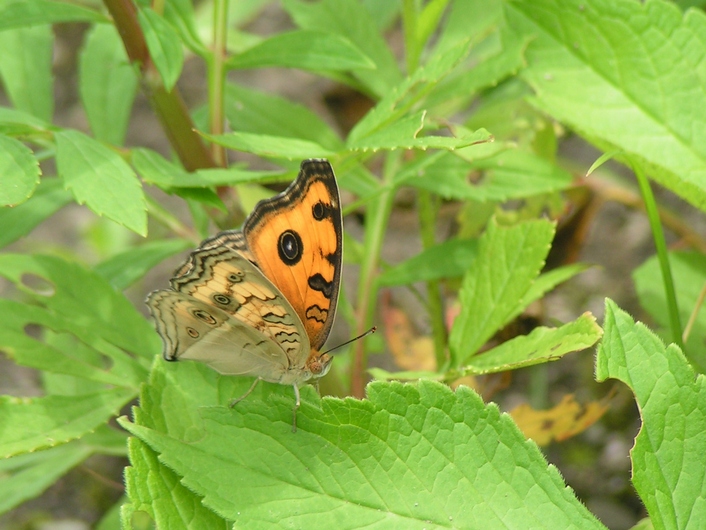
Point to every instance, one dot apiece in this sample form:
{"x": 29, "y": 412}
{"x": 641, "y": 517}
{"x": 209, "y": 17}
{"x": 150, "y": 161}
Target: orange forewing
{"x": 296, "y": 240}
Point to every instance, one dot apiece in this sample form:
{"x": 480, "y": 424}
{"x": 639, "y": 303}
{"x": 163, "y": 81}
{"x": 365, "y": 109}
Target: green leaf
{"x": 100, "y": 178}
{"x": 548, "y": 280}
{"x": 689, "y": 276}
{"x": 643, "y": 524}
{"x": 428, "y": 20}
{"x": 172, "y": 178}
{"x": 405, "y": 375}
{"x": 467, "y": 18}
{"x": 496, "y": 54}
{"x": 19, "y": 221}
{"x": 25, "y": 477}
{"x": 626, "y": 75}
{"x": 107, "y": 84}
{"x": 668, "y": 456}
{"x": 162, "y": 496}
{"x": 86, "y": 358}
{"x": 128, "y": 267}
{"x": 540, "y": 346}
{"x": 399, "y": 101}
{"x": 347, "y": 19}
{"x": 82, "y": 302}
{"x": 494, "y": 290}
{"x": 508, "y": 174}
{"x": 450, "y": 259}
{"x": 384, "y": 462}
{"x": 19, "y": 169}
{"x": 304, "y": 49}
{"x": 12, "y": 120}
{"x": 110, "y": 519}
{"x": 155, "y": 169}
{"x": 234, "y": 176}
{"x": 25, "y": 67}
{"x": 402, "y": 134}
{"x": 28, "y": 424}
{"x": 383, "y": 13}
{"x": 20, "y": 13}
{"x": 180, "y": 14}
{"x": 252, "y": 111}
{"x": 164, "y": 46}
{"x": 270, "y": 146}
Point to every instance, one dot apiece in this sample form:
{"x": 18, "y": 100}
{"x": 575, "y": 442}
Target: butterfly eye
{"x": 221, "y": 299}
{"x": 290, "y": 247}
{"x": 205, "y": 316}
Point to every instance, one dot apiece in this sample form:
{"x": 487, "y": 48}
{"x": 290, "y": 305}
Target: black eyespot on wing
{"x": 234, "y": 277}
{"x": 290, "y": 247}
{"x": 321, "y": 211}
{"x": 319, "y": 283}
{"x": 221, "y": 299}
{"x": 204, "y": 316}
{"x": 193, "y": 333}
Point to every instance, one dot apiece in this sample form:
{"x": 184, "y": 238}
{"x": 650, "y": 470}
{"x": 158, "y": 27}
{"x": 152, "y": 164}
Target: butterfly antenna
{"x": 361, "y": 336}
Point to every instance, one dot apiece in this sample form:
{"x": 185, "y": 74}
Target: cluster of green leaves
{"x": 626, "y": 76}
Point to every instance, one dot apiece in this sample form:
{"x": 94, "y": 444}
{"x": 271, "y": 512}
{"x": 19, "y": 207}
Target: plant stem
{"x": 168, "y": 106}
{"x": 427, "y": 223}
{"x": 376, "y": 219}
{"x": 694, "y": 314}
{"x": 216, "y": 77}
{"x": 662, "y": 256}
{"x": 410, "y": 20}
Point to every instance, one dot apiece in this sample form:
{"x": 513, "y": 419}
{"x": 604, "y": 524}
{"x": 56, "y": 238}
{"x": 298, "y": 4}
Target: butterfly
{"x": 260, "y": 301}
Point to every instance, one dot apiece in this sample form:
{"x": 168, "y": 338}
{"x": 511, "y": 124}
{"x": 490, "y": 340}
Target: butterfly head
{"x": 319, "y": 364}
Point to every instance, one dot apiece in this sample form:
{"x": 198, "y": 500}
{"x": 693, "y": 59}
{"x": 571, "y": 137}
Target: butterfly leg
{"x": 235, "y": 401}
{"x": 297, "y": 403}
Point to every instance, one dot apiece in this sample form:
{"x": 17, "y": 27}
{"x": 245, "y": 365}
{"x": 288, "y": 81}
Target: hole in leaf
{"x": 33, "y": 330}
{"x": 38, "y": 285}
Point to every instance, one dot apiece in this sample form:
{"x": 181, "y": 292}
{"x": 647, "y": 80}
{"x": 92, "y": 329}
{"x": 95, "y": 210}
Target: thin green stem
{"x": 662, "y": 256}
{"x": 216, "y": 77}
{"x": 410, "y": 21}
{"x": 427, "y": 223}
{"x": 376, "y": 218}
{"x": 694, "y": 314}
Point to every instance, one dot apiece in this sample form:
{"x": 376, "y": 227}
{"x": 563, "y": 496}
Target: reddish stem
{"x": 168, "y": 106}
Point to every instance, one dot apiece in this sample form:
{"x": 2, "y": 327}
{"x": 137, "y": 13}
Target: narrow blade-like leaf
{"x": 107, "y": 84}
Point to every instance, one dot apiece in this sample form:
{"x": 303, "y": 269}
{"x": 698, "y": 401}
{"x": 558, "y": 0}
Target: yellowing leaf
{"x": 562, "y": 421}
{"x": 409, "y": 350}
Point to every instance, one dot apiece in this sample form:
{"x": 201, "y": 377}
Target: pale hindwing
{"x": 224, "y": 279}
{"x": 194, "y": 330}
